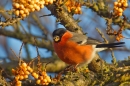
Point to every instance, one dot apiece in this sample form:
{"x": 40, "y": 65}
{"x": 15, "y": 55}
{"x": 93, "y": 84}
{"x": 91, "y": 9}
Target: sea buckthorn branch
{"x": 119, "y": 7}
{"x": 23, "y": 8}
{"x": 44, "y": 29}
{"x": 24, "y": 69}
{"x": 65, "y": 18}
{"x": 111, "y": 17}
{"x": 118, "y": 33}
{"x": 30, "y": 39}
{"x": 9, "y": 22}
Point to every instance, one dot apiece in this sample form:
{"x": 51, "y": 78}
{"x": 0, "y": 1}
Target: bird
{"x": 75, "y": 48}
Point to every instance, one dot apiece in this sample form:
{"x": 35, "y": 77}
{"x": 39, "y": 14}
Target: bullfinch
{"x": 74, "y": 48}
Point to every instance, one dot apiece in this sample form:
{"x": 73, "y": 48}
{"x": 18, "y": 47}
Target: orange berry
{"x": 32, "y": 10}
{"x": 46, "y": 84}
{"x": 43, "y": 73}
{"x": 120, "y": 10}
{"x": 35, "y": 75}
{"x": 18, "y": 82}
{"x": 125, "y": 4}
{"x": 46, "y": 1}
{"x": 32, "y": 2}
{"x": 29, "y": 69}
{"x": 42, "y": 2}
{"x": 116, "y": 8}
{"x": 119, "y": 4}
{"x": 38, "y": 81}
{"x": 23, "y": 15}
{"x": 117, "y": 38}
{"x": 115, "y": 3}
{"x": 21, "y": 6}
{"x": 17, "y": 77}
{"x": 69, "y": 9}
{"x": 21, "y": 12}
{"x": 21, "y": 77}
{"x": 21, "y": 72}
{"x": 24, "y": 69}
{"x": 44, "y": 80}
{"x": 23, "y": 1}
{"x": 37, "y": 8}
{"x": 119, "y": 14}
{"x": 48, "y": 79}
{"x": 30, "y": 6}
{"x": 16, "y": 5}
{"x": 26, "y": 11}
{"x": 17, "y": 12}
{"x": 41, "y": 77}
{"x": 24, "y": 64}
{"x": 25, "y": 76}
{"x": 14, "y": 71}
{"x": 27, "y": 72}
{"x": 50, "y": 1}
{"x": 42, "y": 6}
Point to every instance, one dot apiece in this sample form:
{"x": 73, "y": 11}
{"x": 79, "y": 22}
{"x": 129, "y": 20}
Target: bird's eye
{"x": 56, "y": 38}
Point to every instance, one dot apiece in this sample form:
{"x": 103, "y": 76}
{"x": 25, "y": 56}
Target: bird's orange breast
{"x": 72, "y": 53}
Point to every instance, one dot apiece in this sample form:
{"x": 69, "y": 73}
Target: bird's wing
{"x": 82, "y": 39}
{"x": 93, "y": 41}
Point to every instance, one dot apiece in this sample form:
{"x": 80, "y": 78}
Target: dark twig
{"x": 46, "y": 15}
{"x": 20, "y": 51}
{"x": 102, "y": 35}
{"x": 38, "y": 57}
{"x": 36, "y": 47}
{"x": 14, "y": 53}
{"x": 112, "y": 53}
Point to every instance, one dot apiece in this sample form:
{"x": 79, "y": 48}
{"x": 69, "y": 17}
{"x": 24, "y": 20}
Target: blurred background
{"x": 42, "y": 28}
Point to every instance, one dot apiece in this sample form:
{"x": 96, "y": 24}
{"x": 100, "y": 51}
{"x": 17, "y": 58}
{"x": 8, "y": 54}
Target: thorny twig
{"x": 112, "y": 53}
{"x": 14, "y": 53}
{"x": 38, "y": 56}
{"x": 102, "y": 35}
{"x": 20, "y": 53}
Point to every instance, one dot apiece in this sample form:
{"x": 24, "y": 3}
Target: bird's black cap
{"x": 58, "y": 32}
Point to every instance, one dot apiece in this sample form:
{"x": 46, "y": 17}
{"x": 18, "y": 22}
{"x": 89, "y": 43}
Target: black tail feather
{"x": 110, "y": 45}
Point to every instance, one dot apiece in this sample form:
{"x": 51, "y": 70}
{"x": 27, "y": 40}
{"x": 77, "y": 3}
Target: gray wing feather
{"x": 83, "y": 39}
{"x": 93, "y": 41}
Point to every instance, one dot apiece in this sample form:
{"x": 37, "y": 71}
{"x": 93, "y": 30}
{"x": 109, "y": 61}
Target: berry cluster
{"x": 22, "y": 8}
{"x": 47, "y": 2}
{"x": 119, "y": 37}
{"x": 43, "y": 79}
{"x": 24, "y": 70}
{"x": 73, "y": 6}
{"x": 118, "y": 34}
{"x": 119, "y": 7}
{"x": 21, "y": 73}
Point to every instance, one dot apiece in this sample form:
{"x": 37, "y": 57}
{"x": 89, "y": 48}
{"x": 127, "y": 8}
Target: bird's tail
{"x": 110, "y": 45}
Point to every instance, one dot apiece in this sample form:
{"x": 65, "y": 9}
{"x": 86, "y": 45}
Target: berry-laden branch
{"x": 22, "y": 72}
{"x": 66, "y": 19}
